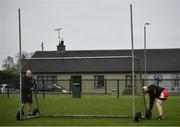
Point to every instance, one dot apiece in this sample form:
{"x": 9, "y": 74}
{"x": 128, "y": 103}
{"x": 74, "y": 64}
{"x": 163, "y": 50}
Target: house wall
{"x": 88, "y": 81}
{"x": 168, "y": 81}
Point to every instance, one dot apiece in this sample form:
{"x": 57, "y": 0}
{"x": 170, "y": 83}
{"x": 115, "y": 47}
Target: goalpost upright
{"x": 133, "y": 77}
{"x": 20, "y": 65}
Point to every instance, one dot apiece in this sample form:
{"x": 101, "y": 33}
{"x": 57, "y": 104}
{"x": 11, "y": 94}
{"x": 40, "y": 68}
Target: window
{"x": 47, "y": 79}
{"x": 98, "y": 81}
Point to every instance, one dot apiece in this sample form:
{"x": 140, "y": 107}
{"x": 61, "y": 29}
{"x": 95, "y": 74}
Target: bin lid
{"x": 76, "y": 84}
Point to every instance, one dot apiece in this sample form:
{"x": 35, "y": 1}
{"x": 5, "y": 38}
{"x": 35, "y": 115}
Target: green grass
{"x": 89, "y": 104}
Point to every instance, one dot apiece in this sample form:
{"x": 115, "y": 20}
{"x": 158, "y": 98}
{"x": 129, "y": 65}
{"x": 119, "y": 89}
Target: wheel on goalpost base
{"x": 18, "y": 116}
{"x": 35, "y": 112}
{"x": 137, "y": 116}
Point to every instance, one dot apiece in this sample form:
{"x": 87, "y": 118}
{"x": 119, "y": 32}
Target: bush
{"x": 9, "y": 77}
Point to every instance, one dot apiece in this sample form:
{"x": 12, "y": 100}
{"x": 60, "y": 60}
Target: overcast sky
{"x": 88, "y": 24}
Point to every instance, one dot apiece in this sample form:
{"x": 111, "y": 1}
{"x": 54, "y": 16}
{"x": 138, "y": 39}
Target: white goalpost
{"x": 20, "y": 65}
{"x": 132, "y": 57}
{"x": 133, "y": 77}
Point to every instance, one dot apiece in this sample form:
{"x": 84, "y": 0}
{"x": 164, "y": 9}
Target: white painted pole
{"x": 20, "y": 66}
{"x": 133, "y": 77}
{"x": 145, "y": 52}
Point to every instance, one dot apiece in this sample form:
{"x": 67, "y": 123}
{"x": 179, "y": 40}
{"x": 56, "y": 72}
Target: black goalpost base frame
{"x": 37, "y": 113}
{"x": 79, "y": 116}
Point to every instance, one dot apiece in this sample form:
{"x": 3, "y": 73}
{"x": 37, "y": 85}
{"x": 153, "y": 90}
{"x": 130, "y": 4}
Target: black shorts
{"x": 27, "y": 98}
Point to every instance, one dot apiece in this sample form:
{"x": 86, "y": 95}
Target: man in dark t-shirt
{"x": 158, "y": 92}
{"x": 27, "y": 86}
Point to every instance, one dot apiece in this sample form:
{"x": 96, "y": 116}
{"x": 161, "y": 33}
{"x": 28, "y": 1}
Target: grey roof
{"x": 158, "y": 60}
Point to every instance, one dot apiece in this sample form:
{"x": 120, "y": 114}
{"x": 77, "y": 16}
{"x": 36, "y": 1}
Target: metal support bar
{"x": 144, "y": 99}
{"x": 177, "y": 84}
{"x": 7, "y": 91}
{"x": 80, "y": 116}
{"x": 93, "y": 116}
{"x": 105, "y": 86}
{"x": 43, "y": 90}
{"x": 117, "y": 88}
{"x": 70, "y": 85}
{"x": 68, "y": 58}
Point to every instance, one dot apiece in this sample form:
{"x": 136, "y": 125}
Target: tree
{"x": 10, "y": 78}
{"x": 24, "y": 55}
{"x": 8, "y": 64}
{"x": 10, "y": 73}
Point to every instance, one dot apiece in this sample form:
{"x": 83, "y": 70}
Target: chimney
{"x": 61, "y": 47}
{"x": 42, "y": 46}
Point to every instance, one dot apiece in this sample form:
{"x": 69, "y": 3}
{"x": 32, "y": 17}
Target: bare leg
{"x": 159, "y": 107}
{"x": 23, "y": 107}
{"x": 30, "y": 108}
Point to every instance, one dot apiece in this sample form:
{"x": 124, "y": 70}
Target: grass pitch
{"x": 88, "y": 104}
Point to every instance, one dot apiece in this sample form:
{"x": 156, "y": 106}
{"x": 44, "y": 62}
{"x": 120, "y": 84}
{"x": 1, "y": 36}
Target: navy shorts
{"x": 27, "y": 98}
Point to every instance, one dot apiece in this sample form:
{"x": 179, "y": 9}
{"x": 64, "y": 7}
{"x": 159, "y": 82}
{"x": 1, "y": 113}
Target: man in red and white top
{"x": 161, "y": 94}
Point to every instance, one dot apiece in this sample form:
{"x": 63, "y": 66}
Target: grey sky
{"x": 88, "y": 24}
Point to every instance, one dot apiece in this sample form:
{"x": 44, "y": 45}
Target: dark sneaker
{"x": 161, "y": 117}
{"x": 30, "y": 114}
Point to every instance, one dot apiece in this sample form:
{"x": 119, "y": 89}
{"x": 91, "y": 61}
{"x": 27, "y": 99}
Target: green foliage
{"x": 9, "y": 77}
{"x": 10, "y": 73}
